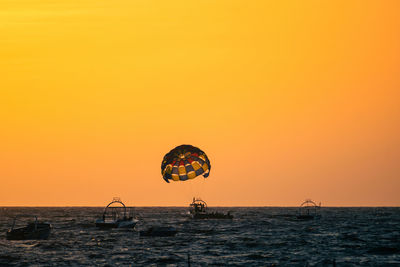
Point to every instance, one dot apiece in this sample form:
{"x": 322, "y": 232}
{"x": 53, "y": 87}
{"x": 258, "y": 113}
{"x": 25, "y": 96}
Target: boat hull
{"x": 42, "y": 231}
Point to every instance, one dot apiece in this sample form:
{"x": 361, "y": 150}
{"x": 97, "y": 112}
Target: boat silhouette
{"x": 33, "y": 230}
{"x": 118, "y": 216}
{"x": 308, "y": 210}
{"x": 198, "y": 210}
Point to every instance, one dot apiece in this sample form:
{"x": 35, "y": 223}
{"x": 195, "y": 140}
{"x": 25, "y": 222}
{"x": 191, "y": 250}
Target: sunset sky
{"x": 289, "y": 99}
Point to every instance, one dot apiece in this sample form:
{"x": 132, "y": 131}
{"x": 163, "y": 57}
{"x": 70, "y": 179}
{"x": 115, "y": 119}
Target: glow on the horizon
{"x": 289, "y": 100}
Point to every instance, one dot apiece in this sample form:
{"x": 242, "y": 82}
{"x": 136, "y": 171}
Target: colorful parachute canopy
{"x": 185, "y": 162}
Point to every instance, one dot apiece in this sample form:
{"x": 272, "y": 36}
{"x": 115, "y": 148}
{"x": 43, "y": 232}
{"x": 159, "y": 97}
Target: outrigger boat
{"x": 198, "y": 210}
{"x": 118, "y": 216}
{"x": 34, "y": 230}
{"x": 308, "y": 210}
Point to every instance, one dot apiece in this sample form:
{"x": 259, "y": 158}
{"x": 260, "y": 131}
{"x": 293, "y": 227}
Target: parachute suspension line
{"x": 191, "y": 190}
{"x": 187, "y": 191}
{"x": 202, "y": 188}
{"x": 195, "y": 186}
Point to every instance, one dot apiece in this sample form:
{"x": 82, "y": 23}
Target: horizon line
{"x": 175, "y": 206}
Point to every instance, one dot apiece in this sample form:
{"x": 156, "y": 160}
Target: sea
{"x": 264, "y": 236}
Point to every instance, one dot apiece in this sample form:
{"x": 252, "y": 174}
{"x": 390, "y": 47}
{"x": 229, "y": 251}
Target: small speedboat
{"x": 198, "y": 210}
{"x": 116, "y": 215}
{"x": 308, "y": 210}
{"x": 159, "y": 231}
{"x": 34, "y": 230}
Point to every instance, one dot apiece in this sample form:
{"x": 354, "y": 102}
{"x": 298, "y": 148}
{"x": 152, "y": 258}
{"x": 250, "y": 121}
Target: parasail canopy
{"x": 185, "y": 162}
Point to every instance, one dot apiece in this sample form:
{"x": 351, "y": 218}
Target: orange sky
{"x": 289, "y": 99}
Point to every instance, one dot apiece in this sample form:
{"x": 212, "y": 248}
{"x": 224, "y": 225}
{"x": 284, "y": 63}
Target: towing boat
{"x": 198, "y": 210}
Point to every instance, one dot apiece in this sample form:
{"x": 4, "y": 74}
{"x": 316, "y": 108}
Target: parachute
{"x": 185, "y": 162}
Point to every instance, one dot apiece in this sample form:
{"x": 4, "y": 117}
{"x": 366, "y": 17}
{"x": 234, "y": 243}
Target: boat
{"x": 308, "y": 210}
{"x": 159, "y": 231}
{"x": 198, "y": 210}
{"x": 116, "y": 215}
{"x": 33, "y": 230}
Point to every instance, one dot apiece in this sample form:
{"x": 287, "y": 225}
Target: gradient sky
{"x": 289, "y": 99}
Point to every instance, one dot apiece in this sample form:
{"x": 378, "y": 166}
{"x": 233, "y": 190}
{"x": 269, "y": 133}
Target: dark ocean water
{"x": 255, "y": 237}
